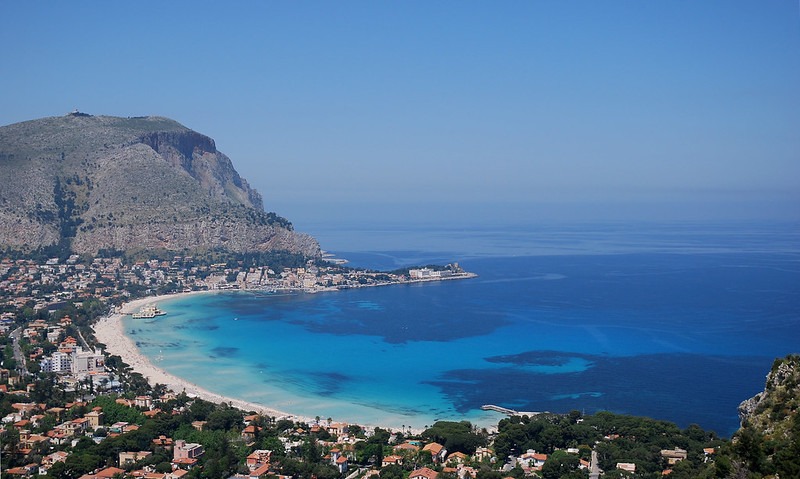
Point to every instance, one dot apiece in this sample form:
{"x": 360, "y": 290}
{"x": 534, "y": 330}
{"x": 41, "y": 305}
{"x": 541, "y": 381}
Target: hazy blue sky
{"x": 592, "y": 109}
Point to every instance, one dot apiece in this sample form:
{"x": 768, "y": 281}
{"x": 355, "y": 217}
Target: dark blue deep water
{"x": 679, "y": 323}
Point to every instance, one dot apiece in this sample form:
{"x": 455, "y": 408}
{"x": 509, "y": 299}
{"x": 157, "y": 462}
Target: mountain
{"x": 141, "y": 183}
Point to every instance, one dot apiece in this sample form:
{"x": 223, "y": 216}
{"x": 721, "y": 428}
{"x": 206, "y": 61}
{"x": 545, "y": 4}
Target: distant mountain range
{"x": 89, "y": 183}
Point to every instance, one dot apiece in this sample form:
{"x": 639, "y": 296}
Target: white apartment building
{"x": 56, "y": 363}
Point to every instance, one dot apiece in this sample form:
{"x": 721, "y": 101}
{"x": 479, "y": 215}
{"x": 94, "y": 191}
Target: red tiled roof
{"x": 434, "y": 447}
{"x": 424, "y": 473}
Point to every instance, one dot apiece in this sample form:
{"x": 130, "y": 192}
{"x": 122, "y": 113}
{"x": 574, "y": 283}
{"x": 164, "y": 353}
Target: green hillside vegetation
{"x": 618, "y": 438}
{"x": 768, "y": 444}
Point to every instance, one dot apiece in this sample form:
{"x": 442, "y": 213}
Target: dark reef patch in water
{"x": 225, "y": 352}
{"x": 674, "y": 387}
{"x": 329, "y": 383}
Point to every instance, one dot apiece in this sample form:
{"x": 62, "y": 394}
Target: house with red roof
{"x": 438, "y": 452}
{"x": 531, "y": 460}
{"x": 107, "y": 473}
{"x": 392, "y": 460}
{"x": 456, "y": 458}
{"x": 424, "y": 473}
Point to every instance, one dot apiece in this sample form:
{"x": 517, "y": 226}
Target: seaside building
{"x": 87, "y": 362}
{"x": 73, "y": 359}
{"x": 424, "y": 273}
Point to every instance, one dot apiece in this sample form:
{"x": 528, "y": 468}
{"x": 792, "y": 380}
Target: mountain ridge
{"x": 88, "y": 183}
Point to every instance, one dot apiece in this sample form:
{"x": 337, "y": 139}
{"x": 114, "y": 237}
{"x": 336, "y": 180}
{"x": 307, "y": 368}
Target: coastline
{"x": 109, "y": 331}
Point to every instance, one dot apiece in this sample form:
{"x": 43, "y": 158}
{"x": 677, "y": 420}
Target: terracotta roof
{"x": 425, "y": 473}
{"x": 109, "y": 472}
{"x": 434, "y": 447}
{"x": 260, "y": 470}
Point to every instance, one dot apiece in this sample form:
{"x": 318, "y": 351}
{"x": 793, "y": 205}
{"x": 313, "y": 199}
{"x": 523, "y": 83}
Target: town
{"x": 49, "y": 284}
{"x": 71, "y": 410}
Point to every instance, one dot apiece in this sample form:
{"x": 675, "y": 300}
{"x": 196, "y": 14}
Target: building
{"x": 438, "y": 452}
{"x": 131, "y": 457}
{"x": 531, "y": 459}
{"x": 258, "y": 458}
{"x": 423, "y": 473}
{"x": 95, "y": 418}
{"x": 58, "y": 362}
{"x": 392, "y": 459}
{"x": 87, "y": 362}
{"x": 184, "y": 450}
{"x": 107, "y": 473}
{"x": 424, "y": 273}
{"x": 673, "y": 456}
{"x": 626, "y": 466}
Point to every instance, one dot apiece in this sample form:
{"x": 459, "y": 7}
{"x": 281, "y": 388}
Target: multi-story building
{"x": 57, "y": 362}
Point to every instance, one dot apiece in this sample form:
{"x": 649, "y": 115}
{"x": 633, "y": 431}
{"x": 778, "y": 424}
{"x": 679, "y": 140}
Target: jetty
{"x": 509, "y": 412}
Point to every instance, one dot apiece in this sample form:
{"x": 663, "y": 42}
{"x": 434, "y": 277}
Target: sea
{"x": 679, "y": 322}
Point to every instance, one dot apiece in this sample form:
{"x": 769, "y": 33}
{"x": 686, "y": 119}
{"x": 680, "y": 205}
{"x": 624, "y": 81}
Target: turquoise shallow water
{"x": 671, "y": 323}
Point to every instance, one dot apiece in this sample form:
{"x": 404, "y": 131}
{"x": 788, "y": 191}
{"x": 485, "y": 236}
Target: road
{"x": 22, "y": 365}
{"x": 595, "y": 469}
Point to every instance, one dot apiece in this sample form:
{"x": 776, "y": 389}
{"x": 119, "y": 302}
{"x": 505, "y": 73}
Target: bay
{"x": 678, "y": 322}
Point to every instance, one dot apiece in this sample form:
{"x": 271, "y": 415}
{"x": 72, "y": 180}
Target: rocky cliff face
{"x": 772, "y": 411}
{"x": 94, "y": 183}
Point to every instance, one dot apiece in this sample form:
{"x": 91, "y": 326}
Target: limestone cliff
{"x": 773, "y": 411}
{"x": 98, "y": 182}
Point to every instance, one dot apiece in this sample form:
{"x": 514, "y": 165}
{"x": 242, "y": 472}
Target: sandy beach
{"x": 109, "y": 331}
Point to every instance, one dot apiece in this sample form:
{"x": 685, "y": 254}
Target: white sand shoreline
{"x": 109, "y": 331}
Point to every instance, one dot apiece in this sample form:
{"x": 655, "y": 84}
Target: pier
{"x": 507, "y": 411}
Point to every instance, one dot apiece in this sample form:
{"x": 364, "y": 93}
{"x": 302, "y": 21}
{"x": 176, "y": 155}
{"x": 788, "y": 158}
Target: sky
{"x": 437, "y": 111}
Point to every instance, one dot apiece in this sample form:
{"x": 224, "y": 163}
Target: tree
{"x": 392, "y": 471}
{"x": 224, "y": 418}
{"x": 486, "y": 473}
{"x": 455, "y": 436}
{"x": 368, "y": 453}
{"x": 750, "y": 447}
{"x": 559, "y": 464}
{"x": 59, "y": 470}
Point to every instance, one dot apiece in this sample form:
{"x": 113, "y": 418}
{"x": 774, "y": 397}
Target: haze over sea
{"x": 679, "y": 322}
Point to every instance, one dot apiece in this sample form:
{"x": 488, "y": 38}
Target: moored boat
{"x": 148, "y": 312}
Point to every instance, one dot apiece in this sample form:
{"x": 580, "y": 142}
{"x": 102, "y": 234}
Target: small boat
{"x": 148, "y": 312}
